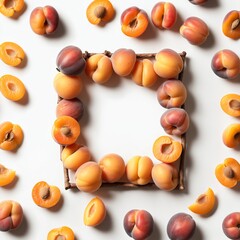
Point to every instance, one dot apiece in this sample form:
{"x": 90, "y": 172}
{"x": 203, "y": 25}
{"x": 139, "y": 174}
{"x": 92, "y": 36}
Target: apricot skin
{"x": 226, "y": 64}
{"x": 171, "y": 94}
{"x": 164, "y": 15}
{"x": 168, "y": 64}
{"x": 195, "y": 30}
{"x": 181, "y": 226}
{"x": 70, "y": 60}
{"x": 11, "y": 215}
{"x": 44, "y": 20}
{"x": 123, "y": 61}
{"x": 138, "y": 224}
{"x": 175, "y": 121}
{"x": 165, "y": 176}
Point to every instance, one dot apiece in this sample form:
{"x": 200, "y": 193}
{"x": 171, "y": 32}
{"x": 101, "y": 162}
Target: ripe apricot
{"x": 9, "y": 7}
{"x": 7, "y": 175}
{"x": 231, "y": 135}
{"x": 166, "y": 149}
{"x": 99, "y": 11}
{"x": 12, "y": 87}
{"x": 61, "y": 233}
{"x": 11, "y": 53}
{"x": 228, "y": 172}
{"x": 45, "y": 195}
{"x": 67, "y": 87}
{"x": 95, "y": 212}
{"x": 230, "y": 104}
{"x": 11, "y": 136}
{"x": 65, "y": 130}
{"x": 204, "y": 204}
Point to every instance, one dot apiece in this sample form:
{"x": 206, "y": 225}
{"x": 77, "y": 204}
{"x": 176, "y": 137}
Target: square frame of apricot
{"x": 181, "y": 186}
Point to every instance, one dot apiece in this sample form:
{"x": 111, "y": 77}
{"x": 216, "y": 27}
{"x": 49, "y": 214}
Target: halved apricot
{"x": 65, "y": 130}
{"x": 6, "y": 175}
{"x": 45, "y": 195}
{"x": 230, "y": 104}
{"x": 61, "y": 233}
{"x": 228, "y": 172}
{"x": 231, "y": 135}
{"x": 9, "y": 7}
{"x": 204, "y": 204}
{"x": 100, "y": 11}
{"x": 166, "y": 149}
{"x": 11, "y": 53}
{"x": 12, "y": 87}
{"x": 11, "y": 136}
{"x": 95, "y": 212}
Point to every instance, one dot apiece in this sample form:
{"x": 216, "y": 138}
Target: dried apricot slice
{"x": 100, "y": 11}
{"x": 11, "y": 136}
{"x": 204, "y": 204}
{"x": 12, "y": 87}
{"x": 6, "y": 175}
{"x": 45, "y": 195}
{"x": 228, "y": 172}
{"x": 11, "y": 53}
{"x": 9, "y": 7}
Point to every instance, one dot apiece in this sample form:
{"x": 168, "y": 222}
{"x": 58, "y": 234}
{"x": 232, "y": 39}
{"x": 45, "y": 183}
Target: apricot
{"x": 65, "y": 130}
{"x": 204, "y": 204}
{"x": 194, "y": 30}
{"x": 88, "y": 177}
{"x": 226, "y": 64}
{"x": 11, "y": 136}
{"x": 134, "y": 21}
{"x": 68, "y": 87}
{"x": 12, "y": 87}
{"x": 165, "y": 176}
{"x": 175, "y": 121}
{"x": 181, "y": 226}
{"x": 228, "y": 172}
{"x": 100, "y": 11}
{"x": 99, "y": 68}
{"x": 7, "y": 176}
{"x": 95, "y": 212}
{"x": 70, "y": 60}
{"x": 231, "y": 24}
{"x": 164, "y": 15}
{"x": 45, "y": 195}
{"x": 44, "y": 20}
{"x": 61, "y": 233}
{"x": 70, "y": 107}
{"x": 139, "y": 169}
{"x": 9, "y": 8}
{"x": 166, "y": 149}
{"x": 198, "y": 2}
{"x": 168, "y": 64}
{"x": 123, "y": 61}
{"x": 74, "y": 155}
{"x": 230, "y": 104}
{"x": 143, "y": 73}
{"x": 230, "y": 225}
{"x": 138, "y": 224}
{"x": 171, "y": 94}
{"x": 231, "y": 135}
{"x": 11, "y": 53}
{"x": 11, "y": 215}
{"x": 113, "y": 167}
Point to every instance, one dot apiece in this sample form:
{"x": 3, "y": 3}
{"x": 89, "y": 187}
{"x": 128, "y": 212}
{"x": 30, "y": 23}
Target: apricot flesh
{"x": 230, "y": 104}
{"x": 7, "y": 175}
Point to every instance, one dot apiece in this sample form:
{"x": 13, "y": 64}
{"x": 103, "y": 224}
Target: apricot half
{"x": 204, "y": 204}
{"x": 231, "y": 135}
{"x": 62, "y": 233}
{"x": 9, "y": 7}
{"x": 7, "y": 176}
{"x": 228, "y": 172}
{"x": 166, "y": 149}
{"x": 230, "y": 104}
{"x": 45, "y": 195}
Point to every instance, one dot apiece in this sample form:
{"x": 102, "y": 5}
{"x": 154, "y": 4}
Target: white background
{"x": 121, "y": 117}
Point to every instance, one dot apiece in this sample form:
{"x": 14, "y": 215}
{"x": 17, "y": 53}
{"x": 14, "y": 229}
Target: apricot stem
{"x": 66, "y": 131}
{"x": 9, "y": 136}
{"x": 100, "y": 12}
{"x": 234, "y": 104}
{"x": 44, "y": 192}
{"x": 235, "y": 24}
{"x": 228, "y": 172}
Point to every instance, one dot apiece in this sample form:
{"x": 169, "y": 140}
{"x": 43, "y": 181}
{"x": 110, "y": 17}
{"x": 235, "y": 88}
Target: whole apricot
{"x": 198, "y": 2}
{"x": 195, "y": 30}
{"x": 230, "y": 225}
{"x": 70, "y": 60}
